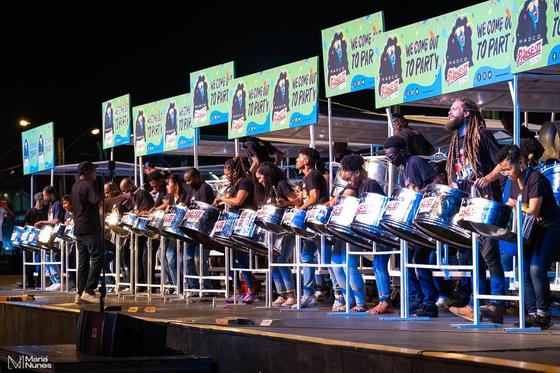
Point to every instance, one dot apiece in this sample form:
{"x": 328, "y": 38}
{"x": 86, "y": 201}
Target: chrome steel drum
{"x": 129, "y": 219}
{"x": 269, "y": 217}
{"x": 485, "y": 217}
{"x": 317, "y": 218}
{"x": 46, "y": 237}
{"x": 399, "y": 215}
{"x": 437, "y": 215}
{"x": 377, "y": 168}
{"x": 248, "y": 234}
{"x": 156, "y": 221}
{"x": 528, "y": 225}
{"x": 58, "y": 230}
{"x": 141, "y": 227}
{"x": 338, "y": 185}
{"x": 342, "y": 216}
{"x": 294, "y": 220}
{"x": 17, "y": 232}
{"x": 223, "y": 228}
{"x": 199, "y": 221}
{"x": 552, "y": 173}
{"x": 171, "y": 225}
{"x": 113, "y": 221}
{"x": 69, "y": 233}
{"x": 367, "y": 221}
{"x": 30, "y": 237}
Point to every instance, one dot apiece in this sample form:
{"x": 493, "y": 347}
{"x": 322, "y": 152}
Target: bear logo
{"x": 458, "y": 57}
{"x": 238, "y": 109}
{"x": 200, "y": 101}
{"x": 108, "y": 125}
{"x": 531, "y": 32}
{"x": 390, "y": 70}
{"x": 338, "y": 62}
{"x": 140, "y": 131}
{"x": 171, "y": 125}
{"x": 281, "y": 101}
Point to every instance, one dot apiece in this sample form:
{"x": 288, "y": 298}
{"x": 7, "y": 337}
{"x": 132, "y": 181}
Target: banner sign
{"x": 116, "y": 122}
{"x": 38, "y": 149}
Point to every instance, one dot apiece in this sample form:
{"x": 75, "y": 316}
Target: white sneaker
{"x": 54, "y": 287}
{"x": 279, "y": 301}
{"x": 307, "y": 301}
{"x": 443, "y": 303}
{"x": 88, "y": 298}
{"x": 78, "y": 299}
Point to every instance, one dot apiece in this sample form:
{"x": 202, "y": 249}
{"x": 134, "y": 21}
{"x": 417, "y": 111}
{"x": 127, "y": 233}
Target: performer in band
{"x": 417, "y": 174}
{"x": 260, "y": 151}
{"x": 86, "y": 197}
{"x": 538, "y": 200}
{"x": 314, "y": 191}
{"x": 472, "y": 160}
{"x": 275, "y": 189}
{"x": 33, "y": 215}
{"x": 240, "y": 195}
{"x": 196, "y": 190}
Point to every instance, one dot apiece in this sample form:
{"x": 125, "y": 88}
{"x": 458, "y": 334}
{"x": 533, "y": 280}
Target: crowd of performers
{"x": 474, "y": 159}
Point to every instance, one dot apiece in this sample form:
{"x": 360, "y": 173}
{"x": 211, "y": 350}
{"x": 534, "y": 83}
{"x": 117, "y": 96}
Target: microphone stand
{"x": 103, "y": 291}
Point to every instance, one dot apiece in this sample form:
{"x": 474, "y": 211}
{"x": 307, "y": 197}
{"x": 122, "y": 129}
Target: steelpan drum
{"x": 69, "y": 233}
{"x": 17, "y": 232}
{"x": 30, "y": 237}
{"x": 528, "y": 225}
{"x": 437, "y": 215}
{"x": 199, "y": 221}
{"x": 46, "y": 237}
{"x": 367, "y": 221}
{"x": 338, "y": 185}
{"x": 269, "y": 217}
{"x": 113, "y": 221}
{"x": 552, "y": 173}
{"x": 377, "y": 168}
{"x": 129, "y": 219}
{"x": 223, "y": 228}
{"x": 156, "y": 221}
{"x": 342, "y": 216}
{"x": 294, "y": 220}
{"x": 248, "y": 234}
{"x": 485, "y": 217}
{"x": 141, "y": 227}
{"x": 171, "y": 225}
{"x": 399, "y": 215}
{"x": 317, "y": 218}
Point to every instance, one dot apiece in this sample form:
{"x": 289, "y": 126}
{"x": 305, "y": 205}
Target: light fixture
{"x": 24, "y": 123}
{"x": 95, "y": 131}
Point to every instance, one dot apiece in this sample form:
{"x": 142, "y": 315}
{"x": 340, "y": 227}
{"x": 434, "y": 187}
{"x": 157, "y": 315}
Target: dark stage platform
{"x": 299, "y": 341}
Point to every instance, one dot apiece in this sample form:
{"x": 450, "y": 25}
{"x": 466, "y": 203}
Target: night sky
{"x": 60, "y": 62}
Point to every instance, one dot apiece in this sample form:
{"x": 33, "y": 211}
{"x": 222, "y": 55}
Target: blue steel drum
{"x": 141, "y": 227}
{"x": 17, "y": 232}
{"x": 171, "y": 225}
{"x": 269, "y": 217}
{"x": 437, "y": 215}
{"x": 342, "y": 215}
{"x": 317, "y": 218}
{"x": 248, "y": 234}
{"x": 199, "y": 221}
{"x": 488, "y": 218}
{"x": 294, "y": 220}
{"x": 399, "y": 216}
{"x": 129, "y": 219}
{"x": 30, "y": 238}
{"x": 156, "y": 221}
{"x": 223, "y": 229}
{"x": 47, "y": 238}
{"x": 552, "y": 173}
{"x": 69, "y": 233}
{"x": 367, "y": 221}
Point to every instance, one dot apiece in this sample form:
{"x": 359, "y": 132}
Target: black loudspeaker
{"x": 115, "y": 334}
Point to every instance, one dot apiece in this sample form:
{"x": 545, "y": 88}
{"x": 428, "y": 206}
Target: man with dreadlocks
{"x": 472, "y": 160}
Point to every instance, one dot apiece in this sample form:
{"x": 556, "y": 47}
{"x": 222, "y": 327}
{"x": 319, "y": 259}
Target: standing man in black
{"x": 34, "y": 214}
{"x": 260, "y": 151}
{"x": 86, "y": 196}
{"x": 416, "y": 142}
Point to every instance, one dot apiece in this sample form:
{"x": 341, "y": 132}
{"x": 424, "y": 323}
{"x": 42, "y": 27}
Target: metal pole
{"x": 195, "y": 148}
{"x": 516, "y": 118}
{"x": 52, "y": 177}
{"x": 391, "y": 167}
{"x": 140, "y": 162}
{"x": 312, "y": 136}
{"x": 236, "y": 145}
{"x": 331, "y": 155}
{"x": 520, "y": 259}
{"x": 32, "y": 192}
{"x": 135, "y": 172}
{"x": 112, "y": 154}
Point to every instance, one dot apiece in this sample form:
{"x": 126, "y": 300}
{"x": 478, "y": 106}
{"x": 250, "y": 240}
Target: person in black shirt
{"x": 275, "y": 189}
{"x": 157, "y": 183}
{"x": 240, "y": 195}
{"x": 416, "y": 142}
{"x": 86, "y": 197}
{"x": 472, "y": 161}
{"x": 34, "y": 214}
{"x": 260, "y": 151}
{"x": 197, "y": 190}
{"x": 537, "y": 200}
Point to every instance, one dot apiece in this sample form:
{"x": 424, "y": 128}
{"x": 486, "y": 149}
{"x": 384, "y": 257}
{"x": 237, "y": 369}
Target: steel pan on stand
{"x": 248, "y": 234}
{"x": 437, "y": 215}
{"x": 485, "y": 217}
{"x": 317, "y": 217}
{"x": 342, "y": 216}
{"x": 399, "y": 216}
{"x": 294, "y": 220}
{"x": 269, "y": 217}
{"x": 199, "y": 221}
{"x": 367, "y": 221}
{"x": 171, "y": 225}
{"x": 113, "y": 221}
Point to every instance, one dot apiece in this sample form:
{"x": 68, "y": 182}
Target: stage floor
{"x": 436, "y": 337}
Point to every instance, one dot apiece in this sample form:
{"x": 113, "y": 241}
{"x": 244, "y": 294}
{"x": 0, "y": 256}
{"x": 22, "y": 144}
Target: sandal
{"x": 361, "y": 308}
{"x": 382, "y": 307}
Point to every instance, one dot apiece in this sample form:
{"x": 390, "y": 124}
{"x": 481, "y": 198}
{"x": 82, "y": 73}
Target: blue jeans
{"x": 171, "y": 262}
{"x": 425, "y": 276}
{"x": 537, "y": 261}
{"x": 308, "y": 256}
{"x": 439, "y": 282}
{"x": 52, "y": 269}
{"x": 322, "y": 280}
{"x": 89, "y": 250}
{"x": 415, "y": 294}
{"x": 357, "y": 292}
{"x": 191, "y": 264}
{"x": 282, "y": 276}
{"x": 241, "y": 260}
{"x": 382, "y": 279}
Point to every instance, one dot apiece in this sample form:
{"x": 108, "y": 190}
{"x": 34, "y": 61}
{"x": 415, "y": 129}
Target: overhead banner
{"x": 478, "y": 44}
{"x": 348, "y": 54}
{"x": 275, "y": 99}
{"x": 537, "y": 40}
{"x": 409, "y": 65}
{"x": 38, "y": 149}
{"x": 210, "y": 88}
{"x": 163, "y": 125}
{"x": 116, "y": 122}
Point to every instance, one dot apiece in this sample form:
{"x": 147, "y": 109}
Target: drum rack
{"x": 65, "y": 269}
{"x": 201, "y": 277}
{"x": 42, "y": 263}
{"x": 132, "y": 243}
{"x": 253, "y": 268}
